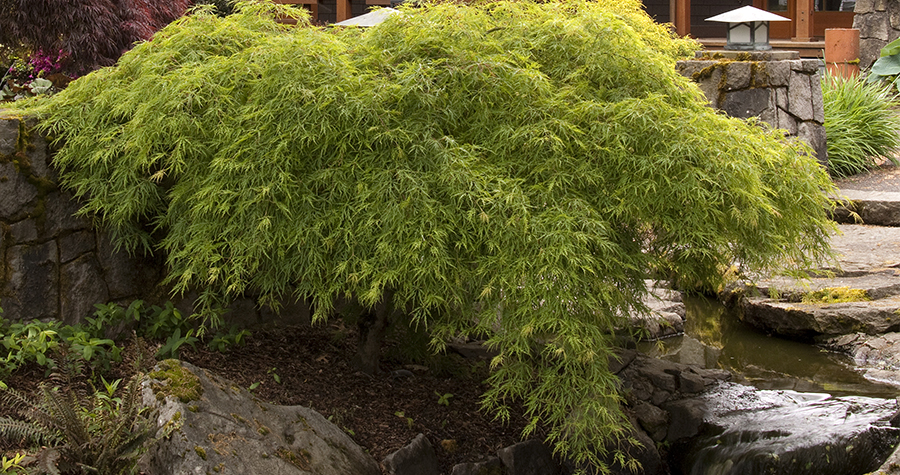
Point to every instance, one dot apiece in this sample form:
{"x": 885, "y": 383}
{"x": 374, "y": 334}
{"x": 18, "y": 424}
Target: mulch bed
{"x": 381, "y": 413}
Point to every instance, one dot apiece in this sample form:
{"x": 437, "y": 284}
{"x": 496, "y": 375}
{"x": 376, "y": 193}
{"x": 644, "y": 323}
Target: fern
{"x": 97, "y": 434}
{"x": 16, "y": 430}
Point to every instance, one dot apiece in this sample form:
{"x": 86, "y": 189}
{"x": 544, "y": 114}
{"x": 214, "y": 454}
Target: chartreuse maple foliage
{"x": 510, "y": 169}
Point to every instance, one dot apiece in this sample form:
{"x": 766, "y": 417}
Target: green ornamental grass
{"x": 860, "y": 123}
{"x": 508, "y": 169}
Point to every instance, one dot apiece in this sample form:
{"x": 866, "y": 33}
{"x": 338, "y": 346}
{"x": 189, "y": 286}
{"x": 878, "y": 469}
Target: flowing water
{"x": 714, "y": 337}
{"x": 814, "y": 414}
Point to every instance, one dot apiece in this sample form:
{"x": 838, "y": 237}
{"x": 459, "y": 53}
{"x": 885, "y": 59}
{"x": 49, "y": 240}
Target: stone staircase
{"x": 855, "y": 306}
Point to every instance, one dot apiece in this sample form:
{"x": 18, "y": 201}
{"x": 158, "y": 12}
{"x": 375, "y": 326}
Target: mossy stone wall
{"x": 786, "y": 94}
{"x": 56, "y": 265}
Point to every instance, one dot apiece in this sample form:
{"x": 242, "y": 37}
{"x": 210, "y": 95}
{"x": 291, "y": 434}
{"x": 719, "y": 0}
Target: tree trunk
{"x": 372, "y": 326}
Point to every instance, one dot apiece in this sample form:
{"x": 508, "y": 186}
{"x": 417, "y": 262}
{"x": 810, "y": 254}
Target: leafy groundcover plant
{"x": 861, "y": 124}
{"x": 513, "y": 170}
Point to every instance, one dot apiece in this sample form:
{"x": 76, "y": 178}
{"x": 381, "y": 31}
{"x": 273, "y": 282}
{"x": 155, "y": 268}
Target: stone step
{"x": 876, "y": 286}
{"x": 866, "y": 249}
{"x": 805, "y": 320}
{"x": 869, "y": 258}
{"x": 880, "y": 208}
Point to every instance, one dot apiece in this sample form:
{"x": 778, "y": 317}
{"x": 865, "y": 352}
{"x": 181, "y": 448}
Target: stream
{"x": 714, "y": 337}
{"x": 811, "y": 412}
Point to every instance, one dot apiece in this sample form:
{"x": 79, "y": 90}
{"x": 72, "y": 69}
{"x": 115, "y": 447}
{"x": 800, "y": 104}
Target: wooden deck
{"x": 807, "y": 49}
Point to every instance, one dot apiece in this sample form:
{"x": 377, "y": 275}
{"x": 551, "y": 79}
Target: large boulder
{"x": 216, "y": 427}
{"x": 746, "y": 430}
{"x": 877, "y": 356}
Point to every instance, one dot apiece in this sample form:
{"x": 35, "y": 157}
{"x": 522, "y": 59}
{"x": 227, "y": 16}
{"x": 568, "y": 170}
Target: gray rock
{"x": 805, "y": 66}
{"x": 17, "y": 195}
{"x": 815, "y": 88}
{"x": 492, "y": 466}
{"x": 878, "y": 356}
{"x": 755, "y": 431}
{"x": 60, "y": 209}
{"x": 746, "y": 103}
{"x": 880, "y": 283}
{"x": 531, "y": 457}
{"x": 660, "y": 373}
{"x": 737, "y": 76}
{"x": 31, "y": 289}
{"x": 690, "y": 383}
{"x": 786, "y": 121}
{"x": 81, "y": 286}
{"x": 866, "y": 249}
{"x": 781, "y": 93}
{"x": 128, "y": 276}
{"x": 653, "y": 420}
{"x": 875, "y": 27}
{"x": 799, "y": 99}
{"x": 708, "y": 84}
{"x": 869, "y": 51}
{"x": 417, "y": 458}
{"x": 661, "y": 299}
{"x": 778, "y": 73}
{"x": 869, "y": 261}
{"x": 692, "y": 67}
{"x": 9, "y": 136}
{"x": 226, "y": 430}
{"x": 660, "y": 396}
{"x": 75, "y": 244}
{"x": 685, "y": 418}
{"x": 813, "y": 133}
{"x": 38, "y": 156}
{"x": 23, "y": 232}
{"x": 621, "y": 360}
{"x": 799, "y": 320}
{"x": 863, "y": 6}
{"x": 666, "y": 317}
{"x": 658, "y": 325}
{"x": 875, "y": 208}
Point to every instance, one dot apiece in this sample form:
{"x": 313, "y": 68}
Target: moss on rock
{"x": 173, "y": 379}
{"x": 831, "y": 295}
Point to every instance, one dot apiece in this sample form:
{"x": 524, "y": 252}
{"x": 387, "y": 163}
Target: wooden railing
{"x": 343, "y": 10}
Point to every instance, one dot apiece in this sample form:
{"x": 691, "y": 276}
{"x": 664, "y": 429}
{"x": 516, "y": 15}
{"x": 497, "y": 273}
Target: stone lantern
{"x": 748, "y": 28}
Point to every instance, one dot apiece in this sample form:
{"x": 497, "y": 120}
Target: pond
{"x": 715, "y": 337}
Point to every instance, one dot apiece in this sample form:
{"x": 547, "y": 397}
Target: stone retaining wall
{"x": 785, "y": 93}
{"x": 55, "y": 265}
{"x": 878, "y": 22}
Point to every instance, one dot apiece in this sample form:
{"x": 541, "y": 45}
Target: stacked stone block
{"x": 54, "y": 264}
{"x": 785, "y": 93}
{"x": 878, "y": 22}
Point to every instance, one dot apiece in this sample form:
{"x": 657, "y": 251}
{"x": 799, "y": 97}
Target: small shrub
{"x": 89, "y": 33}
{"x": 860, "y": 124}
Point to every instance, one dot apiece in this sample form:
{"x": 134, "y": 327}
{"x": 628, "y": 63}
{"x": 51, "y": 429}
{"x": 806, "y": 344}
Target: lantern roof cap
{"x": 369, "y": 19}
{"x": 747, "y": 14}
